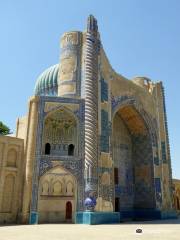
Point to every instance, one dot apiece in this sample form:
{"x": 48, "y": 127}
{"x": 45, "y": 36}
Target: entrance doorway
{"x": 68, "y": 210}
{"x": 117, "y": 205}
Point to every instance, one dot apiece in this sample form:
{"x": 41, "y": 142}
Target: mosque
{"x": 93, "y": 147}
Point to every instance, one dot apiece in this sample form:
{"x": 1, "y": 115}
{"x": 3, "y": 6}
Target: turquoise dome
{"x": 47, "y": 82}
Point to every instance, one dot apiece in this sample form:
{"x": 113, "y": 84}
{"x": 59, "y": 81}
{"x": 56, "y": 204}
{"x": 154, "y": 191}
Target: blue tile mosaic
{"x": 163, "y": 150}
{"x": 104, "y": 90}
{"x": 104, "y": 139}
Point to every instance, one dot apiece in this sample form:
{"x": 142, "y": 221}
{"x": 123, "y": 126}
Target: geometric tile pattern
{"x": 158, "y": 190}
{"x": 142, "y": 156}
{"x": 104, "y": 144}
{"x": 143, "y": 162}
{"x": 163, "y": 150}
{"x": 104, "y": 91}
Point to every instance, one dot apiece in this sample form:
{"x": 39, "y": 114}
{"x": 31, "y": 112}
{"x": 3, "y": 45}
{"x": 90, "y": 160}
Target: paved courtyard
{"x": 153, "y": 230}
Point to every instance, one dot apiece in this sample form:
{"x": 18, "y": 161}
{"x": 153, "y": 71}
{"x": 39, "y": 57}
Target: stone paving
{"x": 152, "y": 230}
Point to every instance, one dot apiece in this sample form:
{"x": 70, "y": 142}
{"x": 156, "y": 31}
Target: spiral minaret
{"x": 91, "y": 106}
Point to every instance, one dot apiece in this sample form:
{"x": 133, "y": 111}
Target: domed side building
{"x": 93, "y": 147}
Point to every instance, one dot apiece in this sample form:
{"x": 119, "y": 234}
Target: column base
{"x": 94, "y": 218}
{"x": 33, "y": 218}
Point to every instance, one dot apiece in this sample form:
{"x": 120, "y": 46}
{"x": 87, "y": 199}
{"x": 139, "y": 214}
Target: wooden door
{"x": 68, "y": 210}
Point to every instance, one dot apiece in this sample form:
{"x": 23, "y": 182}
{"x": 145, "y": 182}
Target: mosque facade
{"x": 93, "y": 147}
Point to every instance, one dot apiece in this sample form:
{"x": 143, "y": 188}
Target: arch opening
{"x": 133, "y": 160}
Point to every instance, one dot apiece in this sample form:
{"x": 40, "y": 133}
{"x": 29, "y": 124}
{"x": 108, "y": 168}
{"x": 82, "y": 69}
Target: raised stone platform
{"x": 94, "y": 218}
{"x": 169, "y": 214}
{"x": 147, "y": 214}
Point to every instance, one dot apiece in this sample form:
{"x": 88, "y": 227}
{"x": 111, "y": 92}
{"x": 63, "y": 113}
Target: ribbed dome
{"x": 47, "y": 82}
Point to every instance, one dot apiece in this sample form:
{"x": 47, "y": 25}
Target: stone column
{"x": 91, "y": 107}
{"x": 30, "y": 156}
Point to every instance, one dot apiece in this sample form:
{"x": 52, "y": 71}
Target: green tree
{"x": 4, "y": 130}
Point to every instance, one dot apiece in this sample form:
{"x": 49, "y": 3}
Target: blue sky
{"x": 141, "y": 38}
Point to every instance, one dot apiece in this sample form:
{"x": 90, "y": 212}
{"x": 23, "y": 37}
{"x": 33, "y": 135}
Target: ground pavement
{"x": 151, "y": 230}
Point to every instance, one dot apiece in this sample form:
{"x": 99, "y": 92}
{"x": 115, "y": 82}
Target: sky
{"x": 141, "y": 38}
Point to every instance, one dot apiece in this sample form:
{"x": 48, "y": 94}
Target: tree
{"x": 4, "y": 130}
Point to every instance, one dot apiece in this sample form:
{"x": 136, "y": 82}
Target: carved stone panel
{"x": 69, "y": 38}
{"x": 68, "y": 66}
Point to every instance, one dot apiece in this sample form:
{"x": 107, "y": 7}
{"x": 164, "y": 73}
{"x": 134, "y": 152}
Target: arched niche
{"x": 57, "y": 188}
{"x": 69, "y": 188}
{"x": 62, "y": 187}
{"x": 8, "y": 194}
{"x": 60, "y": 132}
{"x": 12, "y": 158}
{"x": 45, "y": 188}
{"x": 132, "y": 150}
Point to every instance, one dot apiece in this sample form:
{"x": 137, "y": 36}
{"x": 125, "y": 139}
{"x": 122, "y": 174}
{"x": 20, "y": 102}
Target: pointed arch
{"x": 130, "y": 100}
{"x": 61, "y": 107}
{"x": 133, "y": 142}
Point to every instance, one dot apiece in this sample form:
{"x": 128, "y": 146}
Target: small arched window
{"x": 47, "y": 148}
{"x": 71, "y": 150}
